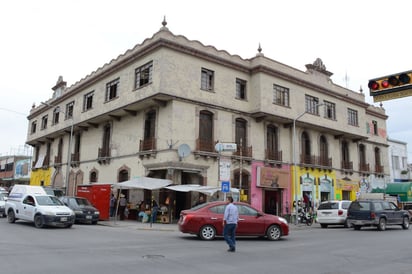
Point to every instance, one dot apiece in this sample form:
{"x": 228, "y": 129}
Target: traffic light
{"x": 396, "y": 82}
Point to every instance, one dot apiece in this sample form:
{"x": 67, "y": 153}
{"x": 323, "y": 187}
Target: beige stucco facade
{"x": 175, "y": 95}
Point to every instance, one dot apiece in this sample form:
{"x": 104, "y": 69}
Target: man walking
{"x": 230, "y": 219}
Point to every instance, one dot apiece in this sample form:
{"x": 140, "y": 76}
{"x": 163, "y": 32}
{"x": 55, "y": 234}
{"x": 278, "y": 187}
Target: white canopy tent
{"x": 143, "y": 183}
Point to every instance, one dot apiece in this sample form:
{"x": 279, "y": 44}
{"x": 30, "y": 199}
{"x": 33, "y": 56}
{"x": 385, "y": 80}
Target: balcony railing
{"x": 364, "y": 167}
{"x": 58, "y": 159}
{"x": 205, "y": 145}
{"x": 147, "y": 144}
{"x": 274, "y": 155}
{"x": 104, "y": 152}
{"x": 75, "y": 157}
{"x": 246, "y": 151}
{"x": 379, "y": 169}
{"x": 347, "y": 165}
{"x": 324, "y": 161}
{"x": 307, "y": 159}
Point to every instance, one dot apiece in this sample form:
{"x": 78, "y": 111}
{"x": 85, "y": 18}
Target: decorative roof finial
{"x": 259, "y": 51}
{"x": 164, "y": 23}
{"x": 361, "y": 90}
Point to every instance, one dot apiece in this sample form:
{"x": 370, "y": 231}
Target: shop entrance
{"x": 272, "y": 202}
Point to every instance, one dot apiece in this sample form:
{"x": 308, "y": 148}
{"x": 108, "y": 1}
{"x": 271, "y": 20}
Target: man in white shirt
{"x": 230, "y": 220}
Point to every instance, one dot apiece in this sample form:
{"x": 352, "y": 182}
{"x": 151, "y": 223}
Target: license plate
{"x": 89, "y": 217}
{"x": 63, "y": 219}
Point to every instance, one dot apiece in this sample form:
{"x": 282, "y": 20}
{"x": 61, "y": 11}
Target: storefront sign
{"x": 272, "y": 177}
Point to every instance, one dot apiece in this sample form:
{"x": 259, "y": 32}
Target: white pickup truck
{"x": 33, "y": 204}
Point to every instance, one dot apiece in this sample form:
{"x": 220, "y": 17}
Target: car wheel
{"x": 323, "y": 225}
{"x": 38, "y": 221}
{"x": 11, "y": 218}
{"x": 69, "y": 226}
{"x": 382, "y": 224}
{"x": 357, "y": 227}
{"x": 405, "y": 223}
{"x": 273, "y": 233}
{"x": 207, "y": 233}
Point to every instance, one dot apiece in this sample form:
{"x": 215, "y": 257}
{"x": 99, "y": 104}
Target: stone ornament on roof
{"x": 318, "y": 66}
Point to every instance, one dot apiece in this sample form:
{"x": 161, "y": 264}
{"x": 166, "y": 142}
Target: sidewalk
{"x": 173, "y": 227}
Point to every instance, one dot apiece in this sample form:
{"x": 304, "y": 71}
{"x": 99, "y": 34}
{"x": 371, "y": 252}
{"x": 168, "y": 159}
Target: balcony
{"x": 245, "y": 152}
{"x": 324, "y": 161}
{"x": 273, "y": 155}
{"x": 148, "y": 144}
{"x": 58, "y": 160}
{"x": 347, "y": 165}
{"x": 379, "y": 169}
{"x": 103, "y": 155}
{"x": 307, "y": 159}
{"x": 364, "y": 167}
{"x": 205, "y": 145}
{"x": 75, "y": 159}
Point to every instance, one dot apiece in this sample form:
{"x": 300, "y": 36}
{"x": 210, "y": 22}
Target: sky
{"x": 44, "y": 39}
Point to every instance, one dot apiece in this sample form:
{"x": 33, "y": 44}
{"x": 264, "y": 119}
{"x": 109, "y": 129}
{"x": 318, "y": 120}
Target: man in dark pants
{"x": 230, "y": 219}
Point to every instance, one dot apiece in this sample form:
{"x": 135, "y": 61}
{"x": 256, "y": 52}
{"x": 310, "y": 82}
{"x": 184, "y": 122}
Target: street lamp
{"x": 69, "y": 158}
{"x": 295, "y": 163}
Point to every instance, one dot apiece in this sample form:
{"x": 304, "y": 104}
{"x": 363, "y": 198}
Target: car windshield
{"x": 80, "y": 202}
{"x": 48, "y": 201}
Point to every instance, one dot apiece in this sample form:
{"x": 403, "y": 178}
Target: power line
{"x": 10, "y": 110}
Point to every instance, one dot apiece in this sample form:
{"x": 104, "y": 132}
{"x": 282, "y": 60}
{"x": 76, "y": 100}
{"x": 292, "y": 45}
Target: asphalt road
{"x": 118, "y": 249}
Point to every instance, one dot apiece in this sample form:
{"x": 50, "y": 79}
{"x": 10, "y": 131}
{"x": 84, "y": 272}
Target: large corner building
{"x": 159, "y": 109}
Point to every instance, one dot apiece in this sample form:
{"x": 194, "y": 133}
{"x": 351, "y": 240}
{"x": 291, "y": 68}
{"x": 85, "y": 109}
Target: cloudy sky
{"x": 43, "y": 39}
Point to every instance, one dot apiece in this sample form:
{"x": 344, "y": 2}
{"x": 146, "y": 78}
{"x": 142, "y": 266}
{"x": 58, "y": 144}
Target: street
{"x": 133, "y": 249}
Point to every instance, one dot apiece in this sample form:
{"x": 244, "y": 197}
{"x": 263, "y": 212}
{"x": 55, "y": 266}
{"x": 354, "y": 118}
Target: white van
{"x": 33, "y": 204}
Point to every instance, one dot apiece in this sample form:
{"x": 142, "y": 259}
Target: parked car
{"x": 333, "y": 213}
{"x": 379, "y": 213}
{"x": 84, "y": 210}
{"x": 2, "y": 205}
{"x": 205, "y": 220}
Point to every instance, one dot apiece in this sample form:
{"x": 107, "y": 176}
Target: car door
{"x": 250, "y": 222}
{"x": 389, "y": 212}
{"x": 28, "y": 207}
{"x": 397, "y": 213}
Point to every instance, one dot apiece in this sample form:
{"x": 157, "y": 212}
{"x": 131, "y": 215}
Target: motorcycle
{"x": 305, "y": 217}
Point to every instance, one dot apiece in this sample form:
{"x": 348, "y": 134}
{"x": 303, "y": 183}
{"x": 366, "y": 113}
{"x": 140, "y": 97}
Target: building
{"x": 398, "y": 164}
{"x": 14, "y": 169}
{"x": 135, "y": 115}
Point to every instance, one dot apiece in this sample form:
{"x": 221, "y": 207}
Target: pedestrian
{"x": 155, "y": 209}
{"x": 122, "y": 206}
{"x": 230, "y": 220}
{"x": 112, "y": 205}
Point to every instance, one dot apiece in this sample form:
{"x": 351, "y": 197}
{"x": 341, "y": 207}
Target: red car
{"x": 205, "y": 220}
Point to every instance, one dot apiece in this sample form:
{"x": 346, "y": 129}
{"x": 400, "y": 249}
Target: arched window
{"x": 324, "y": 151}
{"x": 93, "y": 176}
{"x": 306, "y": 155}
{"x": 240, "y": 134}
{"x": 378, "y": 163}
{"x": 363, "y": 166}
{"x": 206, "y": 142}
{"x": 346, "y": 164}
{"x": 272, "y": 144}
{"x": 123, "y": 175}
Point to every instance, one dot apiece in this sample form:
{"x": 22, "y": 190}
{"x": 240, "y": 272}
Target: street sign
{"x": 230, "y": 147}
{"x": 225, "y": 186}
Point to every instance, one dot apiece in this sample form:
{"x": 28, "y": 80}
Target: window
{"x": 345, "y": 155}
{"x": 306, "y": 148}
{"x": 88, "y": 101}
{"x": 33, "y": 127}
{"x": 44, "y": 122}
{"x": 352, "y": 117}
{"x": 56, "y": 113}
{"x": 240, "y": 133}
{"x": 207, "y": 79}
{"x": 143, "y": 75}
{"x": 241, "y": 89}
{"x": 280, "y": 95}
{"x": 375, "y": 127}
{"x": 362, "y": 157}
{"x": 324, "y": 151}
{"x": 112, "y": 89}
{"x": 206, "y": 131}
{"x": 330, "y": 110}
{"x": 93, "y": 176}
{"x": 69, "y": 110}
{"x": 311, "y": 104}
{"x": 272, "y": 143}
{"x": 395, "y": 162}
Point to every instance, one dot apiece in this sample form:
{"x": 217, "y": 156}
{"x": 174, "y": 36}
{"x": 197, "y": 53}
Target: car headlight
{"x": 283, "y": 220}
{"x": 97, "y": 212}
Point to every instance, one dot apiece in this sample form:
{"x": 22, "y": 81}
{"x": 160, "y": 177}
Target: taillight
{"x": 340, "y": 212}
{"x": 373, "y": 215}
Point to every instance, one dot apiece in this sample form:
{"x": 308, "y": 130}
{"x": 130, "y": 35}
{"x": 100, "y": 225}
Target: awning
{"x": 143, "y": 183}
{"x": 403, "y": 190}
